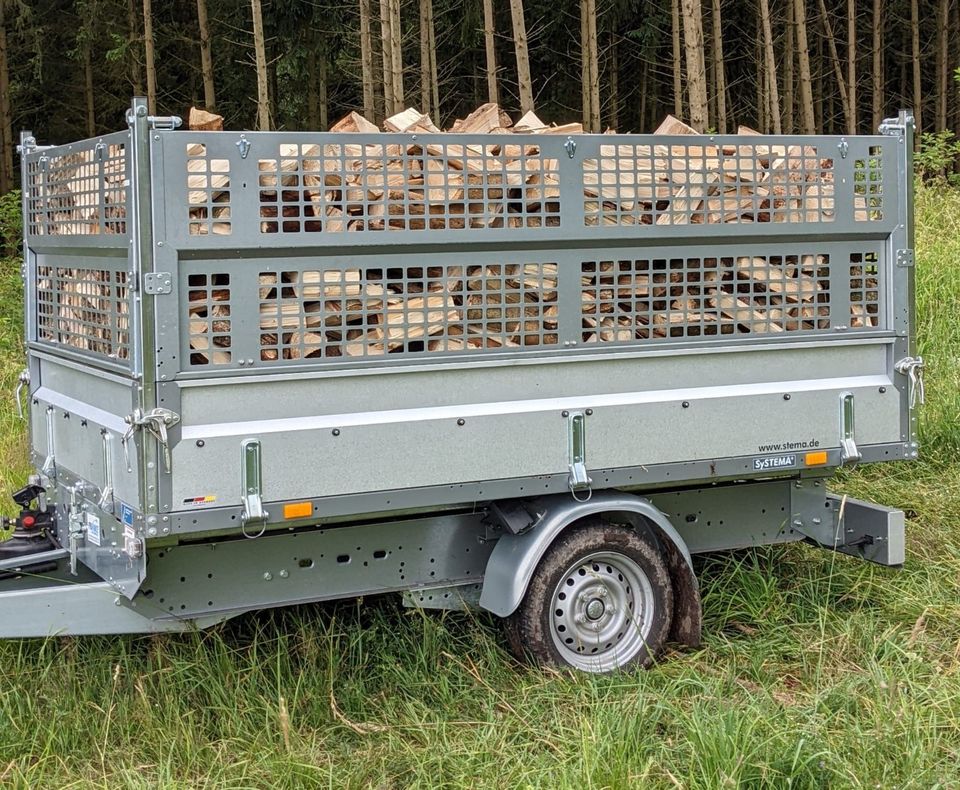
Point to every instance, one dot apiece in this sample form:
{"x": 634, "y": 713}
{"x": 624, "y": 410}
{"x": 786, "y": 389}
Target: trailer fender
{"x": 516, "y": 556}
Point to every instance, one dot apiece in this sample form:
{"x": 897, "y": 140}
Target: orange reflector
{"x": 815, "y": 459}
{"x": 297, "y": 510}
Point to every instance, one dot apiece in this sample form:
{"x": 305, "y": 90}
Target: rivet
{"x": 883, "y": 390}
{"x": 335, "y": 431}
{"x": 200, "y": 443}
{"x": 686, "y": 404}
{"x": 284, "y": 573}
{"x": 159, "y": 243}
{"x": 786, "y": 396}
{"x": 152, "y": 531}
{"x": 589, "y": 412}
{"x": 564, "y": 414}
{"x": 267, "y": 576}
{"x": 461, "y": 421}
{"x": 166, "y": 530}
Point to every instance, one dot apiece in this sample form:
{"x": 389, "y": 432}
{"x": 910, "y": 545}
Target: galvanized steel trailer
{"x": 182, "y": 487}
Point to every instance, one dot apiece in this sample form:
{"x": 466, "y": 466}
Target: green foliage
{"x": 938, "y": 159}
{"x": 817, "y": 670}
{"x": 11, "y": 223}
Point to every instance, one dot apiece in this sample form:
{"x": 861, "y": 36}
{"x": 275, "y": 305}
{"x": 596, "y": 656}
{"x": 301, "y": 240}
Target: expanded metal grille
{"x": 84, "y": 309}
{"x": 81, "y": 193}
{"x": 628, "y": 300}
{"x": 208, "y": 195}
{"x": 209, "y": 317}
{"x": 368, "y": 312}
{"x": 868, "y": 186}
{"x": 427, "y": 185}
{"x": 864, "y": 290}
{"x": 687, "y": 183}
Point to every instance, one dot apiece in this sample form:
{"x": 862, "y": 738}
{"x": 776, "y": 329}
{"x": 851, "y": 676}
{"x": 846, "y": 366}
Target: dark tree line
{"x": 69, "y": 67}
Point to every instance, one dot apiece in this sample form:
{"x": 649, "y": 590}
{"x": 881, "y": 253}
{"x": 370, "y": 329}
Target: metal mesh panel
{"x": 208, "y": 195}
{"x": 868, "y": 186}
{"x": 81, "y": 193}
{"x": 368, "y": 312}
{"x": 646, "y": 299}
{"x": 84, "y": 309}
{"x": 686, "y": 183}
{"x": 209, "y": 316}
{"x": 399, "y": 186}
{"x": 864, "y": 290}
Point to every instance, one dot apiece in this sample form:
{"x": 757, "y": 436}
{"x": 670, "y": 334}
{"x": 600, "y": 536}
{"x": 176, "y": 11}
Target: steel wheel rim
{"x": 601, "y": 612}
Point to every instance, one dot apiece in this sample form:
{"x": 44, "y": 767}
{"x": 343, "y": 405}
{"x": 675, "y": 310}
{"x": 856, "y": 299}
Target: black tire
{"x": 619, "y": 608}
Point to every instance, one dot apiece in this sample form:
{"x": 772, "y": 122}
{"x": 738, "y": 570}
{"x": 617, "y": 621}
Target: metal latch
{"x": 252, "y": 479}
{"x": 75, "y": 525}
{"x": 848, "y": 444}
{"x": 243, "y": 144}
{"x": 106, "y": 494}
{"x": 156, "y": 421}
{"x": 23, "y": 380}
{"x": 157, "y": 283}
{"x": 912, "y": 368}
{"x": 578, "y": 480}
{"x": 49, "y": 468}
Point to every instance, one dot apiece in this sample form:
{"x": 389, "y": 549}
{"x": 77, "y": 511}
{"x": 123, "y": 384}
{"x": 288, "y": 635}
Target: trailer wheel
{"x": 601, "y": 599}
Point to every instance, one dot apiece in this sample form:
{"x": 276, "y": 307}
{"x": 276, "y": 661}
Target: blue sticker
{"x": 126, "y": 514}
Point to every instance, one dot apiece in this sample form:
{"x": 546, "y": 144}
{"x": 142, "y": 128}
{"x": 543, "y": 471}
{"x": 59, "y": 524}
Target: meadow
{"x": 816, "y": 670}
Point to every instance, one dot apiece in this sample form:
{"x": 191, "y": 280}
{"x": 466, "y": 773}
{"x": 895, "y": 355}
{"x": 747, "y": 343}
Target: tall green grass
{"x": 817, "y": 670}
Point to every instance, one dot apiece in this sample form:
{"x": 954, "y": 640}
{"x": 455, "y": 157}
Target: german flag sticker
{"x": 200, "y": 501}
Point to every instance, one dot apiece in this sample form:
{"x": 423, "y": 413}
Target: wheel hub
{"x": 602, "y": 611}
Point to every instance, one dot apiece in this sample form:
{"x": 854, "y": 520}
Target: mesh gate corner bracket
{"x": 905, "y": 257}
{"x": 157, "y": 283}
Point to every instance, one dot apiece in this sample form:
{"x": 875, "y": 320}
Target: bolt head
{"x": 267, "y": 576}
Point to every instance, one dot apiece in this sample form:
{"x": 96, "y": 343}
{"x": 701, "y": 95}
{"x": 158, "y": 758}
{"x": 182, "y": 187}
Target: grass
{"x": 816, "y": 670}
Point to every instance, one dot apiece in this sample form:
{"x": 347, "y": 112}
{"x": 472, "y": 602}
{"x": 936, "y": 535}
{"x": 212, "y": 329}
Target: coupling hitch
{"x": 33, "y": 532}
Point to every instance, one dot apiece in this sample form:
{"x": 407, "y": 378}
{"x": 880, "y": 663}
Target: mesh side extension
{"x": 656, "y": 298}
{"x": 369, "y": 312}
{"x": 209, "y": 316}
{"x": 429, "y": 185}
{"x": 208, "y": 192}
{"x": 81, "y": 193}
{"x": 84, "y": 309}
{"x": 864, "y": 290}
{"x": 685, "y": 183}
{"x": 868, "y": 187}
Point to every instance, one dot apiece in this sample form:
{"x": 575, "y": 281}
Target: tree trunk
{"x": 489, "y": 40}
{"x": 614, "y": 71}
{"x": 317, "y": 108}
{"x": 771, "y": 65}
{"x": 837, "y": 67}
{"x": 763, "y": 106}
{"x": 644, "y": 79}
{"x": 524, "y": 84}
{"x": 943, "y": 60}
{"x": 260, "y": 53}
{"x": 434, "y": 75}
{"x": 133, "y": 35}
{"x": 677, "y": 75}
{"x": 88, "y": 94}
{"x": 322, "y": 90}
{"x": 594, "y": 66}
{"x": 696, "y": 69}
{"x": 720, "y": 78}
{"x": 877, "y": 70}
{"x": 807, "y": 119}
{"x": 426, "y": 91}
{"x": 852, "y": 66}
{"x": 386, "y": 38}
{"x": 148, "y": 57}
{"x": 396, "y": 52}
{"x": 366, "y": 60}
{"x": 585, "y": 95}
{"x": 788, "y": 58}
{"x": 915, "y": 51}
{"x": 206, "y": 57}
{"x": 6, "y": 119}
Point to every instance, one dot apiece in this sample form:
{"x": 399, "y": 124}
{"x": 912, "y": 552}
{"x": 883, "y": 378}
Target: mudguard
{"x": 516, "y": 556}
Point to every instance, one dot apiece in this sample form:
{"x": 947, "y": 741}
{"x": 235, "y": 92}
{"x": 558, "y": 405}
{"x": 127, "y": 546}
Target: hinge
{"x": 905, "y": 257}
{"x": 578, "y": 480}
{"x": 157, "y": 283}
{"x": 912, "y": 368}
{"x": 848, "y": 443}
{"x": 252, "y": 480}
{"x": 156, "y": 421}
{"x": 164, "y": 122}
{"x": 892, "y": 127}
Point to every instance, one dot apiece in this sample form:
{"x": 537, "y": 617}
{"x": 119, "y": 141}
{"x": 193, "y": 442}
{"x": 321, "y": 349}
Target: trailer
{"x": 260, "y": 372}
